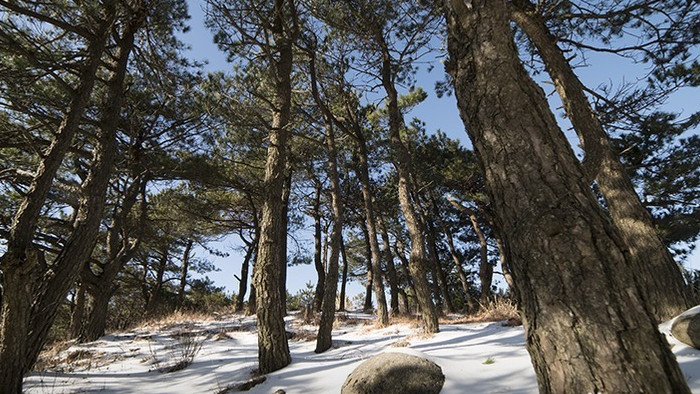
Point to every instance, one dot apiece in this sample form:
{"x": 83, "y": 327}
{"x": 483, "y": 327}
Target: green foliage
{"x": 302, "y": 298}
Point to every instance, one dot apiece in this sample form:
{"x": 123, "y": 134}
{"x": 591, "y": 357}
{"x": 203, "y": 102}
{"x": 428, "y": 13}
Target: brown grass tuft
{"x": 501, "y": 309}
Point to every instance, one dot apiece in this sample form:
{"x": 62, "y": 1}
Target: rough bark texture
{"x": 19, "y": 264}
{"x": 273, "y": 348}
{"x": 418, "y": 261}
{"x": 587, "y": 326}
{"x": 324, "y": 340}
{"x": 51, "y": 286}
{"x": 367, "y": 308}
{"x": 659, "y": 277}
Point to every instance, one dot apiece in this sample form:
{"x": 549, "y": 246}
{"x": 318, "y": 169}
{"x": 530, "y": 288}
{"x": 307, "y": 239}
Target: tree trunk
{"x": 16, "y": 263}
{"x": 371, "y": 223}
{"x": 273, "y": 348}
{"x": 78, "y": 247}
{"x": 485, "y": 268}
{"x": 659, "y": 277}
{"x": 323, "y": 339}
{"x": 471, "y": 304}
{"x": 344, "y": 279}
{"x": 318, "y": 261}
{"x": 283, "y": 238}
{"x": 586, "y": 323}
{"x": 153, "y": 305}
{"x": 435, "y": 259}
{"x": 183, "y": 273}
{"x": 369, "y": 285}
{"x": 243, "y": 280}
{"x": 390, "y": 267}
{"x": 96, "y": 323}
{"x": 78, "y": 314}
{"x": 418, "y": 261}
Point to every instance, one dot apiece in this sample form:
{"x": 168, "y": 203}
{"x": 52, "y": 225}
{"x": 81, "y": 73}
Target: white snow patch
{"x": 476, "y": 358}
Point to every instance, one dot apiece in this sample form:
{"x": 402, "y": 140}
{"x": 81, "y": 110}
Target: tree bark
{"x": 184, "y": 270}
{"x": 153, "y": 305}
{"x": 371, "y": 224}
{"x": 318, "y": 261}
{"x": 586, "y": 323}
{"x": 392, "y": 277}
{"x": 283, "y": 237}
{"x": 659, "y": 277}
{"x": 471, "y": 304}
{"x": 369, "y": 285}
{"x": 344, "y": 279}
{"x": 418, "y": 261}
{"x": 19, "y": 263}
{"x": 323, "y": 339}
{"x": 273, "y": 348}
{"x": 245, "y": 267}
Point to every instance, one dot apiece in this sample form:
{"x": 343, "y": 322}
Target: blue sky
{"x": 438, "y": 113}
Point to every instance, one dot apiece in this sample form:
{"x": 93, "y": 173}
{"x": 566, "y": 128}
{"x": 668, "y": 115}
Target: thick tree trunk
{"x": 273, "y": 348}
{"x": 659, "y": 277}
{"x": 586, "y": 323}
{"x": 323, "y": 339}
{"x": 418, "y": 261}
{"x": 318, "y": 251}
{"x": 98, "y": 306}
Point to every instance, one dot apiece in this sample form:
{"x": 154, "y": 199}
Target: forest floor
{"x": 218, "y": 354}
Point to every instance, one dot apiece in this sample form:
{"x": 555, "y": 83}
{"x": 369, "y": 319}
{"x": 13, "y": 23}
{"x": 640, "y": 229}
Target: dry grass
{"x": 175, "y": 319}
{"x": 500, "y": 309}
{"x": 49, "y": 358}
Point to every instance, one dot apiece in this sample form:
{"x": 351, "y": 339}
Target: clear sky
{"x": 438, "y": 113}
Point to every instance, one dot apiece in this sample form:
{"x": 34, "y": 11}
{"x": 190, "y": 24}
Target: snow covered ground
{"x": 475, "y": 358}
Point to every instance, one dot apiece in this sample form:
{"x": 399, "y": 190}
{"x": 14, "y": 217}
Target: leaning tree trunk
{"x": 659, "y": 277}
{"x": 78, "y": 247}
{"x": 323, "y": 339}
{"x": 19, "y": 263}
{"x": 587, "y": 326}
{"x": 245, "y": 267}
{"x": 418, "y": 261}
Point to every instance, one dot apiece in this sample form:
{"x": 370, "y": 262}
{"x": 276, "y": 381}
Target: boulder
{"x": 395, "y": 373}
{"x": 686, "y": 327}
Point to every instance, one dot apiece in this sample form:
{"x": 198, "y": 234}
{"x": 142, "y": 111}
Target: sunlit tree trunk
{"x": 659, "y": 277}
{"x": 587, "y": 327}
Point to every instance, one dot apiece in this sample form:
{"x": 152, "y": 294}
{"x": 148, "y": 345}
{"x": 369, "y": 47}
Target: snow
{"x": 475, "y": 357}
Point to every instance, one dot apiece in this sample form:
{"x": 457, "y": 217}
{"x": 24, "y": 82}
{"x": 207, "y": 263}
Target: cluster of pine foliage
{"x": 120, "y": 156}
